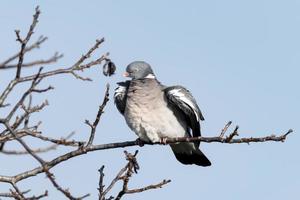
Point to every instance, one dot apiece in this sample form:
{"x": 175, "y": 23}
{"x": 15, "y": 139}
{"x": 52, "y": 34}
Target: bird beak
{"x": 126, "y": 74}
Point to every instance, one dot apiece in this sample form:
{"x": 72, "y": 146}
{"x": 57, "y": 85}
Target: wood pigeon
{"x": 156, "y": 112}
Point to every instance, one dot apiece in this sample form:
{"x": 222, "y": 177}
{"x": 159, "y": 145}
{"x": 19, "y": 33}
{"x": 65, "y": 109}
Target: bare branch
{"x": 234, "y": 133}
{"x": 26, "y": 147}
{"x": 50, "y": 60}
{"x": 124, "y": 175}
{"x": 88, "y": 54}
{"x": 34, "y": 83}
{"x": 101, "y": 185}
{"x": 24, "y": 41}
{"x": 71, "y": 70}
{"x": 35, "y": 45}
{"x": 57, "y": 142}
{"x": 100, "y": 112}
{"x": 11, "y": 194}
{"x": 45, "y": 169}
{"x": 38, "y": 197}
{"x": 12, "y": 131}
{"x": 86, "y": 149}
{"x": 114, "y": 181}
{"x": 225, "y": 129}
{"x": 66, "y": 192}
{"x": 39, "y": 150}
{"x": 149, "y": 187}
{"x": 17, "y": 193}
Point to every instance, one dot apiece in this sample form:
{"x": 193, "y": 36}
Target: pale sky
{"x": 240, "y": 59}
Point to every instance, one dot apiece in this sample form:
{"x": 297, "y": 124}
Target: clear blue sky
{"x": 240, "y": 59}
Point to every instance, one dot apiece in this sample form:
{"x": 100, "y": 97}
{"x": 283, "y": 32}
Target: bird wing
{"x": 120, "y": 96}
{"x": 180, "y": 98}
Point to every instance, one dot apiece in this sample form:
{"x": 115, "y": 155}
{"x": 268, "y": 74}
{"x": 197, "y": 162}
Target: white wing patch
{"x": 151, "y": 76}
{"x": 119, "y": 91}
{"x": 177, "y": 93}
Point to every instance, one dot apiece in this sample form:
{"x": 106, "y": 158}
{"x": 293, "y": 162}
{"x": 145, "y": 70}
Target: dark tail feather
{"x": 196, "y": 157}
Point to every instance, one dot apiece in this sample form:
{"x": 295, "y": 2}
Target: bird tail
{"x": 189, "y": 155}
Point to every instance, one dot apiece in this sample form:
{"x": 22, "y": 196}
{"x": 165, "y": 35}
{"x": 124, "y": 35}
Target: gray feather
{"x": 182, "y": 99}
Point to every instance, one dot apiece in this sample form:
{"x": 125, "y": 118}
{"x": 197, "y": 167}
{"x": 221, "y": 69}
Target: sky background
{"x": 240, "y": 59}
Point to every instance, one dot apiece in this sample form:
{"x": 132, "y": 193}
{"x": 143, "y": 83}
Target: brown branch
{"x": 12, "y": 130}
{"x": 50, "y": 60}
{"x": 38, "y": 197}
{"x": 100, "y": 112}
{"x": 50, "y": 176}
{"x": 66, "y": 192}
{"x": 34, "y": 83}
{"x": 43, "y": 165}
{"x": 12, "y": 194}
{"x": 113, "y": 182}
{"x": 17, "y": 194}
{"x": 38, "y": 150}
{"x": 25, "y": 41}
{"x": 234, "y": 133}
{"x": 45, "y": 169}
{"x": 225, "y": 129}
{"x": 89, "y": 53}
{"x": 26, "y": 132}
{"x": 35, "y": 45}
{"x": 101, "y": 185}
{"x": 71, "y": 70}
{"x": 124, "y": 175}
{"x": 86, "y": 149}
{"x": 26, "y": 147}
{"x": 149, "y": 187}
{"x": 57, "y": 142}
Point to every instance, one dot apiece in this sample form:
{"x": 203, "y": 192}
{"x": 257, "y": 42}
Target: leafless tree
{"x": 17, "y": 127}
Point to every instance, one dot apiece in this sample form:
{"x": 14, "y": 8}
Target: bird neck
{"x": 151, "y": 76}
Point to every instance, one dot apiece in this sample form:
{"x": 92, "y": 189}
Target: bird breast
{"x": 148, "y": 115}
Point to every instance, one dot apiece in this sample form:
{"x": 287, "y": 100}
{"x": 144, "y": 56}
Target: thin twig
{"x": 35, "y": 45}
{"x": 124, "y": 175}
{"x": 101, "y": 185}
{"x": 100, "y": 112}
{"x": 24, "y": 41}
{"x": 225, "y": 129}
{"x": 234, "y": 133}
{"x": 149, "y": 187}
{"x": 50, "y": 60}
{"x": 66, "y": 192}
{"x": 71, "y": 70}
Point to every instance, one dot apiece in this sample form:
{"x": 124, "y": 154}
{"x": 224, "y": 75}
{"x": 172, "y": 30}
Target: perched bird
{"x": 156, "y": 112}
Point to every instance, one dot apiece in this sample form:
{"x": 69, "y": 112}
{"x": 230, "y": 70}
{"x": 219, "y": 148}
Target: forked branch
{"x": 124, "y": 176}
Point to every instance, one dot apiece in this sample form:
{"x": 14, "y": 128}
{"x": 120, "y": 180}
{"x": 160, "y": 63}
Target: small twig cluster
{"x": 124, "y": 176}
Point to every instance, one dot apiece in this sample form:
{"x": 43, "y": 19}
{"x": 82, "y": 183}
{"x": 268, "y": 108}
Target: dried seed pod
{"x": 109, "y": 68}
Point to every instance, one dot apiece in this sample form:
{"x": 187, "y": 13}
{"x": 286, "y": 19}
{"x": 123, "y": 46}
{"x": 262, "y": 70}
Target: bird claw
{"x": 163, "y": 140}
{"x": 140, "y": 142}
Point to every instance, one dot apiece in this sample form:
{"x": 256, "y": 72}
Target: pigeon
{"x": 156, "y": 112}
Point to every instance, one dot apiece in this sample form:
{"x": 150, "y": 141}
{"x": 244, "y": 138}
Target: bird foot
{"x": 163, "y": 140}
{"x": 140, "y": 142}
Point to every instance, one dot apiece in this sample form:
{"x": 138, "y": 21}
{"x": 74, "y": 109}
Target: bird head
{"x": 139, "y": 70}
